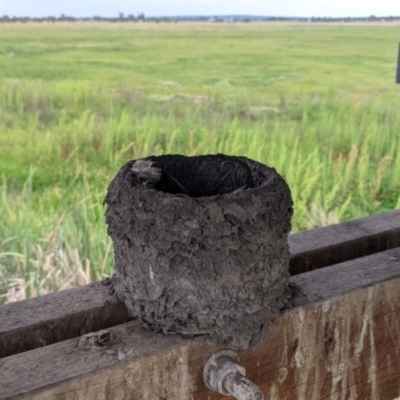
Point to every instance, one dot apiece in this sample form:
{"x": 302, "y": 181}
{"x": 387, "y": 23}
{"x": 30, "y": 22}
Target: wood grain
{"x": 345, "y": 241}
{"x": 49, "y": 319}
{"x": 44, "y": 320}
{"x": 341, "y": 340}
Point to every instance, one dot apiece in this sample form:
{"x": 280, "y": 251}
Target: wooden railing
{"x": 340, "y": 340}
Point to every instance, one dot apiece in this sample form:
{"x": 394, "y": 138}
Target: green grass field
{"x": 317, "y": 102}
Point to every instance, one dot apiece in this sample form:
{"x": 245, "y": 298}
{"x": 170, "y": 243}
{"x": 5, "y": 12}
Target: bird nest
{"x": 201, "y": 245}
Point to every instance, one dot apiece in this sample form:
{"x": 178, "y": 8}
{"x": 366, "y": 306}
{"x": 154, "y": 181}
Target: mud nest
{"x": 201, "y": 245}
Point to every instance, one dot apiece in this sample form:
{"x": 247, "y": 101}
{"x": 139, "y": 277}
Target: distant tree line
{"x": 66, "y": 18}
{"x": 142, "y": 18}
{"x": 371, "y": 18}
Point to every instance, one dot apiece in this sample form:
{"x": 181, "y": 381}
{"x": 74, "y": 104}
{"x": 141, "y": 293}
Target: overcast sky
{"x": 305, "y": 8}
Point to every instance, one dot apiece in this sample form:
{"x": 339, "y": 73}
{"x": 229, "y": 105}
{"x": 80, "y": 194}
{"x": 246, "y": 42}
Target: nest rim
{"x": 253, "y": 185}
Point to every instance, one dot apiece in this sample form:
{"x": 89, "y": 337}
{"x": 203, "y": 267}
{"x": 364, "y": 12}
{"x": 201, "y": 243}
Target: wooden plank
{"x": 63, "y": 315}
{"x": 340, "y": 341}
{"x": 60, "y": 316}
{"x": 44, "y": 320}
{"x": 346, "y": 241}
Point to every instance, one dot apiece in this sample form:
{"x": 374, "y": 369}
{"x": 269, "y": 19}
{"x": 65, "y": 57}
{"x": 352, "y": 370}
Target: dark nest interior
{"x": 201, "y": 176}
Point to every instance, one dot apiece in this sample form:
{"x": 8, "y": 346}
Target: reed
{"x": 316, "y": 102}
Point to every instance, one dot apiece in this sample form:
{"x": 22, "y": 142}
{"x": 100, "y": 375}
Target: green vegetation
{"x": 317, "y": 102}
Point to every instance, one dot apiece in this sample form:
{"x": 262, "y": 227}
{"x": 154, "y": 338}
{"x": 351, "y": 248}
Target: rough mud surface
{"x": 201, "y": 245}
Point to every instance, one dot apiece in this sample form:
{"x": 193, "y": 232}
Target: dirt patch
{"x": 201, "y": 245}
{"x": 180, "y": 98}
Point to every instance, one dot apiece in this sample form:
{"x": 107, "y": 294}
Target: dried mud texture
{"x": 201, "y": 245}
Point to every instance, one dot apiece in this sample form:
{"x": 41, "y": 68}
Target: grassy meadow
{"x": 77, "y": 100}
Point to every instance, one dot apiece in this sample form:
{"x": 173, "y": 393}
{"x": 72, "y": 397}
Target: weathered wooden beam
{"x": 345, "y": 241}
{"x": 70, "y": 313}
{"x": 341, "y": 340}
{"x": 40, "y": 321}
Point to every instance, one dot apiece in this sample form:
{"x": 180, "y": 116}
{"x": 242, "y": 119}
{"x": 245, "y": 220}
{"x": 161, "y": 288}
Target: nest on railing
{"x": 201, "y": 245}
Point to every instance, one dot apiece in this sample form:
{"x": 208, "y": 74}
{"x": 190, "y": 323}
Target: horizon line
{"x": 125, "y": 15}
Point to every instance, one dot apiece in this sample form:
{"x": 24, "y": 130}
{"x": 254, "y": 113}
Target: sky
{"x": 287, "y": 8}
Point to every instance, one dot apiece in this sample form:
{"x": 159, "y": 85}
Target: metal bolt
{"x": 223, "y": 374}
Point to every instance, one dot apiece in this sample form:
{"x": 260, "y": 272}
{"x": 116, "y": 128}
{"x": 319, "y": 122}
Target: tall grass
{"x": 62, "y": 141}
